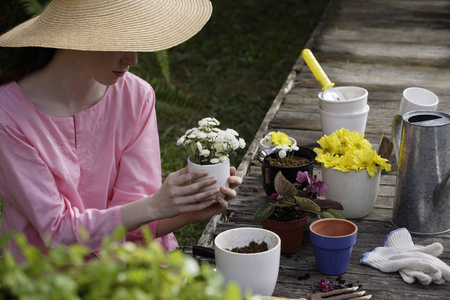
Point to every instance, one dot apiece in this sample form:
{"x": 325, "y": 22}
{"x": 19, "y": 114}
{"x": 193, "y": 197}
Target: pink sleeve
{"x": 30, "y": 195}
{"x": 139, "y": 173}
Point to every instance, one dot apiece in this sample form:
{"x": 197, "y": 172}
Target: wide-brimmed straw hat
{"x": 112, "y": 25}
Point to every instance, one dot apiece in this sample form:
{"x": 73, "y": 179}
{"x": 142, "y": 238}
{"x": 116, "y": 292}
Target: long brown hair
{"x": 25, "y": 61}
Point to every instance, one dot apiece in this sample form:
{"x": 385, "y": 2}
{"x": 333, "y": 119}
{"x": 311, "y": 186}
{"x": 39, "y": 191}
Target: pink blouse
{"x": 58, "y": 175}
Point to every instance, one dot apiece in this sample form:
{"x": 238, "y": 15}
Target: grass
{"x": 231, "y": 70}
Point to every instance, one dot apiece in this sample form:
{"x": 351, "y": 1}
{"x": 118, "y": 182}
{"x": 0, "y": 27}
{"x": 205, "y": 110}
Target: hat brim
{"x": 101, "y": 25}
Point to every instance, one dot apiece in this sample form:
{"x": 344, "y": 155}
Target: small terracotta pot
{"x": 333, "y": 241}
{"x": 291, "y": 233}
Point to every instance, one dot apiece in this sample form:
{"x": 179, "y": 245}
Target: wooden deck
{"x": 385, "y": 47}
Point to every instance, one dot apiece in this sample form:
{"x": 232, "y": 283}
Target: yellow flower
{"x": 328, "y": 143}
{"x": 356, "y": 140}
{"x": 280, "y": 138}
{"x": 365, "y": 159}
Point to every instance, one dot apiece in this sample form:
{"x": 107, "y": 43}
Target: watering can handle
{"x": 397, "y": 134}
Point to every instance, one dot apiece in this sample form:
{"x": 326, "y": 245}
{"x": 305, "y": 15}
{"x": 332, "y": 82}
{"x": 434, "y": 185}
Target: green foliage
{"x": 32, "y": 7}
{"x": 125, "y": 271}
{"x": 289, "y": 196}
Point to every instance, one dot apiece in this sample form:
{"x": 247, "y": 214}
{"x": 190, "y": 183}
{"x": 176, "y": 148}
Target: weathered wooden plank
{"x": 385, "y": 47}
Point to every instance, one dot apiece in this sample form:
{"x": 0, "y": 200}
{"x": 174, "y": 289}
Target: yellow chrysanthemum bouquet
{"x": 349, "y": 151}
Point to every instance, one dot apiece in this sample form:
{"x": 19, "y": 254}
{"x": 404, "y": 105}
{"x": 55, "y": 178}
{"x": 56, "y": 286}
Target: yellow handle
{"x": 316, "y": 69}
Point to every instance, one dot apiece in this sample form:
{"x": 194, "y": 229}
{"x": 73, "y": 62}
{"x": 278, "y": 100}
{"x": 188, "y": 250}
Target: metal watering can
{"x": 422, "y": 193}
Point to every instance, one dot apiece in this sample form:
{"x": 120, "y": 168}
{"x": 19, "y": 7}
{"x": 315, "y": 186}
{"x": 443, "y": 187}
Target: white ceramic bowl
{"x": 334, "y": 121}
{"x": 255, "y": 272}
{"x": 356, "y": 100}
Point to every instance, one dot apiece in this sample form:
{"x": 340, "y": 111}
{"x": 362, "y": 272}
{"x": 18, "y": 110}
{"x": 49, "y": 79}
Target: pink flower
{"x": 325, "y": 285}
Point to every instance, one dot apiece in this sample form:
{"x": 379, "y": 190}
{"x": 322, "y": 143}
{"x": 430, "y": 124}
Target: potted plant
{"x": 210, "y": 148}
{"x": 285, "y": 157}
{"x": 351, "y": 169}
{"x": 273, "y": 139}
{"x": 287, "y": 210}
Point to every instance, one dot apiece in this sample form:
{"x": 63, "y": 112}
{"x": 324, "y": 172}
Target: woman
{"x": 79, "y": 144}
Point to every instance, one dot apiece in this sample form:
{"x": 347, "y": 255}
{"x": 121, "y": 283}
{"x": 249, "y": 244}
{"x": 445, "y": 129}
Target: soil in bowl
{"x": 294, "y": 161}
{"x": 252, "y": 247}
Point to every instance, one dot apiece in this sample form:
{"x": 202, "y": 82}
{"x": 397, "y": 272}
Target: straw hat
{"x": 112, "y": 25}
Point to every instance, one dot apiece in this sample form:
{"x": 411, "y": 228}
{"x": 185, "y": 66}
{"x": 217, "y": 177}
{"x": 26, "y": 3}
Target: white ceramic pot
{"x": 355, "y": 100}
{"x": 221, "y": 171}
{"x": 255, "y": 272}
{"x": 263, "y": 145}
{"x": 356, "y": 191}
{"x": 334, "y": 121}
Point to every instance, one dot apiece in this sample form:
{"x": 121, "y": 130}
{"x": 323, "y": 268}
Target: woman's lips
{"x": 119, "y": 73}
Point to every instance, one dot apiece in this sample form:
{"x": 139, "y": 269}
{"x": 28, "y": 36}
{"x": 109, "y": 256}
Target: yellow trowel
{"x": 329, "y": 92}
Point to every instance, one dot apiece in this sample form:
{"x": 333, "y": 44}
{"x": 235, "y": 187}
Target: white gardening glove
{"x": 412, "y": 262}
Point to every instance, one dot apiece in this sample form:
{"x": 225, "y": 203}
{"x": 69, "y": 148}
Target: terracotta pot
{"x": 290, "y": 173}
{"x": 290, "y": 233}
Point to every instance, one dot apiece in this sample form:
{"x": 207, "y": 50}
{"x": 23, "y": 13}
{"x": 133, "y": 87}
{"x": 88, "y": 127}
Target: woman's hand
{"x": 221, "y": 204}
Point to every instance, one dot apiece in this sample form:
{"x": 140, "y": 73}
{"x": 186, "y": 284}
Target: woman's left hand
{"x": 221, "y": 203}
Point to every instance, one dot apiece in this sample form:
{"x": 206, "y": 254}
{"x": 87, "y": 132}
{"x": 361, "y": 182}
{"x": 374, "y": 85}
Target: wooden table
{"x": 385, "y": 47}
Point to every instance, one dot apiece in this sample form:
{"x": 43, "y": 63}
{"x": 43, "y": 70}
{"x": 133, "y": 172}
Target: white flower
{"x": 214, "y": 160}
{"x": 234, "y": 144}
{"x": 294, "y": 147}
{"x": 209, "y": 144}
{"x": 181, "y": 140}
{"x": 282, "y": 153}
{"x": 205, "y": 152}
{"x": 241, "y": 143}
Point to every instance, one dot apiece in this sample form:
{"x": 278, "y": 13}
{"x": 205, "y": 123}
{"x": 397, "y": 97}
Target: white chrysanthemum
{"x": 199, "y": 146}
{"x": 285, "y": 148}
{"x": 294, "y": 147}
{"x": 219, "y": 147}
{"x": 282, "y": 153}
{"x": 232, "y": 131}
{"x": 234, "y": 144}
{"x": 242, "y": 143}
{"x": 181, "y": 141}
{"x": 229, "y": 136}
{"x": 214, "y": 160}
{"x": 201, "y": 135}
{"x": 205, "y": 152}
{"x": 212, "y": 135}
{"x": 223, "y": 158}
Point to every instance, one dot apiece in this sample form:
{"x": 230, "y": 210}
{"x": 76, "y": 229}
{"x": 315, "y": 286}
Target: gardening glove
{"x": 399, "y": 253}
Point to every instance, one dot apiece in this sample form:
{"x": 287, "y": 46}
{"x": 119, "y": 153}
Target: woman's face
{"x": 104, "y": 67}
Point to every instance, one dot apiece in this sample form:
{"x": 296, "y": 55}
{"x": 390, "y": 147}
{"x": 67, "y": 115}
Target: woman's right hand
{"x": 177, "y": 195}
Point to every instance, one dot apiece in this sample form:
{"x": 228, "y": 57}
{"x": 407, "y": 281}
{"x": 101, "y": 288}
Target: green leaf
{"x": 335, "y": 214}
{"x": 307, "y": 205}
{"x": 283, "y": 186}
{"x": 326, "y": 215}
{"x": 264, "y": 211}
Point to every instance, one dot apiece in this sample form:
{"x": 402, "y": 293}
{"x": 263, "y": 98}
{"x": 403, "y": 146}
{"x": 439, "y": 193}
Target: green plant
{"x": 299, "y": 197}
{"x": 125, "y": 271}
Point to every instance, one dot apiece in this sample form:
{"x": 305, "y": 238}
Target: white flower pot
{"x": 220, "y": 171}
{"x": 257, "y": 272}
{"x": 356, "y": 191}
{"x": 331, "y": 121}
{"x": 355, "y": 101}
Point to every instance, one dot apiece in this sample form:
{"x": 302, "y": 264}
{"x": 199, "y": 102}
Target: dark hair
{"x": 25, "y": 61}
